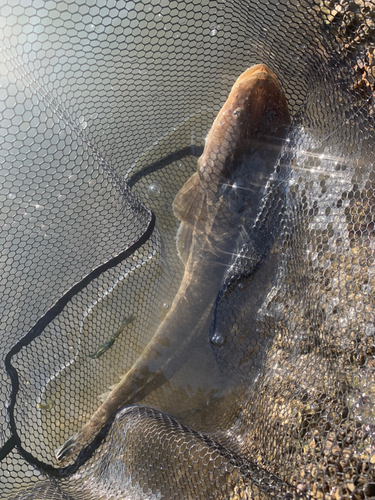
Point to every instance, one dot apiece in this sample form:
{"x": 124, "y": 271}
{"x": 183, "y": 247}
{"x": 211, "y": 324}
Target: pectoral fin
{"x": 189, "y": 204}
{"x": 189, "y": 207}
{"x": 184, "y": 241}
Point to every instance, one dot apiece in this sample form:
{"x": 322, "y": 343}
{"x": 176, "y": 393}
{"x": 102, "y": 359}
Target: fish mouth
{"x": 258, "y": 68}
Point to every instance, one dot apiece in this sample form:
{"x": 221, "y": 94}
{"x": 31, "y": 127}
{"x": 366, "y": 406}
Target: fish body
{"x": 104, "y": 348}
{"x": 239, "y": 155}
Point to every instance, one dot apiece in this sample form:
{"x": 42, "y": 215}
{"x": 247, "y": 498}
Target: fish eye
{"x": 237, "y": 111}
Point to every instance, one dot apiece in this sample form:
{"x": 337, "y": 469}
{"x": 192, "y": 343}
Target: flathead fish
{"x": 240, "y": 153}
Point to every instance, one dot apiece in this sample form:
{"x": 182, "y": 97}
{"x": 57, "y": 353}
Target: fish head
{"x": 245, "y": 140}
{"x": 239, "y": 156}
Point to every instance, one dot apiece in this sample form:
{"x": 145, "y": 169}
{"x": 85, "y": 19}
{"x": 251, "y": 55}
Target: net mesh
{"x": 105, "y": 106}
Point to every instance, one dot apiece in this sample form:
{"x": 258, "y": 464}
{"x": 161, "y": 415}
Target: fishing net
{"x": 105, "y": 106}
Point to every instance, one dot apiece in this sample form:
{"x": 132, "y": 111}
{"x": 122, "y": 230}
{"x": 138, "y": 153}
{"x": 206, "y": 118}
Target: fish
{"x": 223, "y": 195}
{"x": 104, "y": 348}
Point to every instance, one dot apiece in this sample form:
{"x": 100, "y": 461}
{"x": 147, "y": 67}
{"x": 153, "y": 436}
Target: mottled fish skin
{"x": 239, "y": 155}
